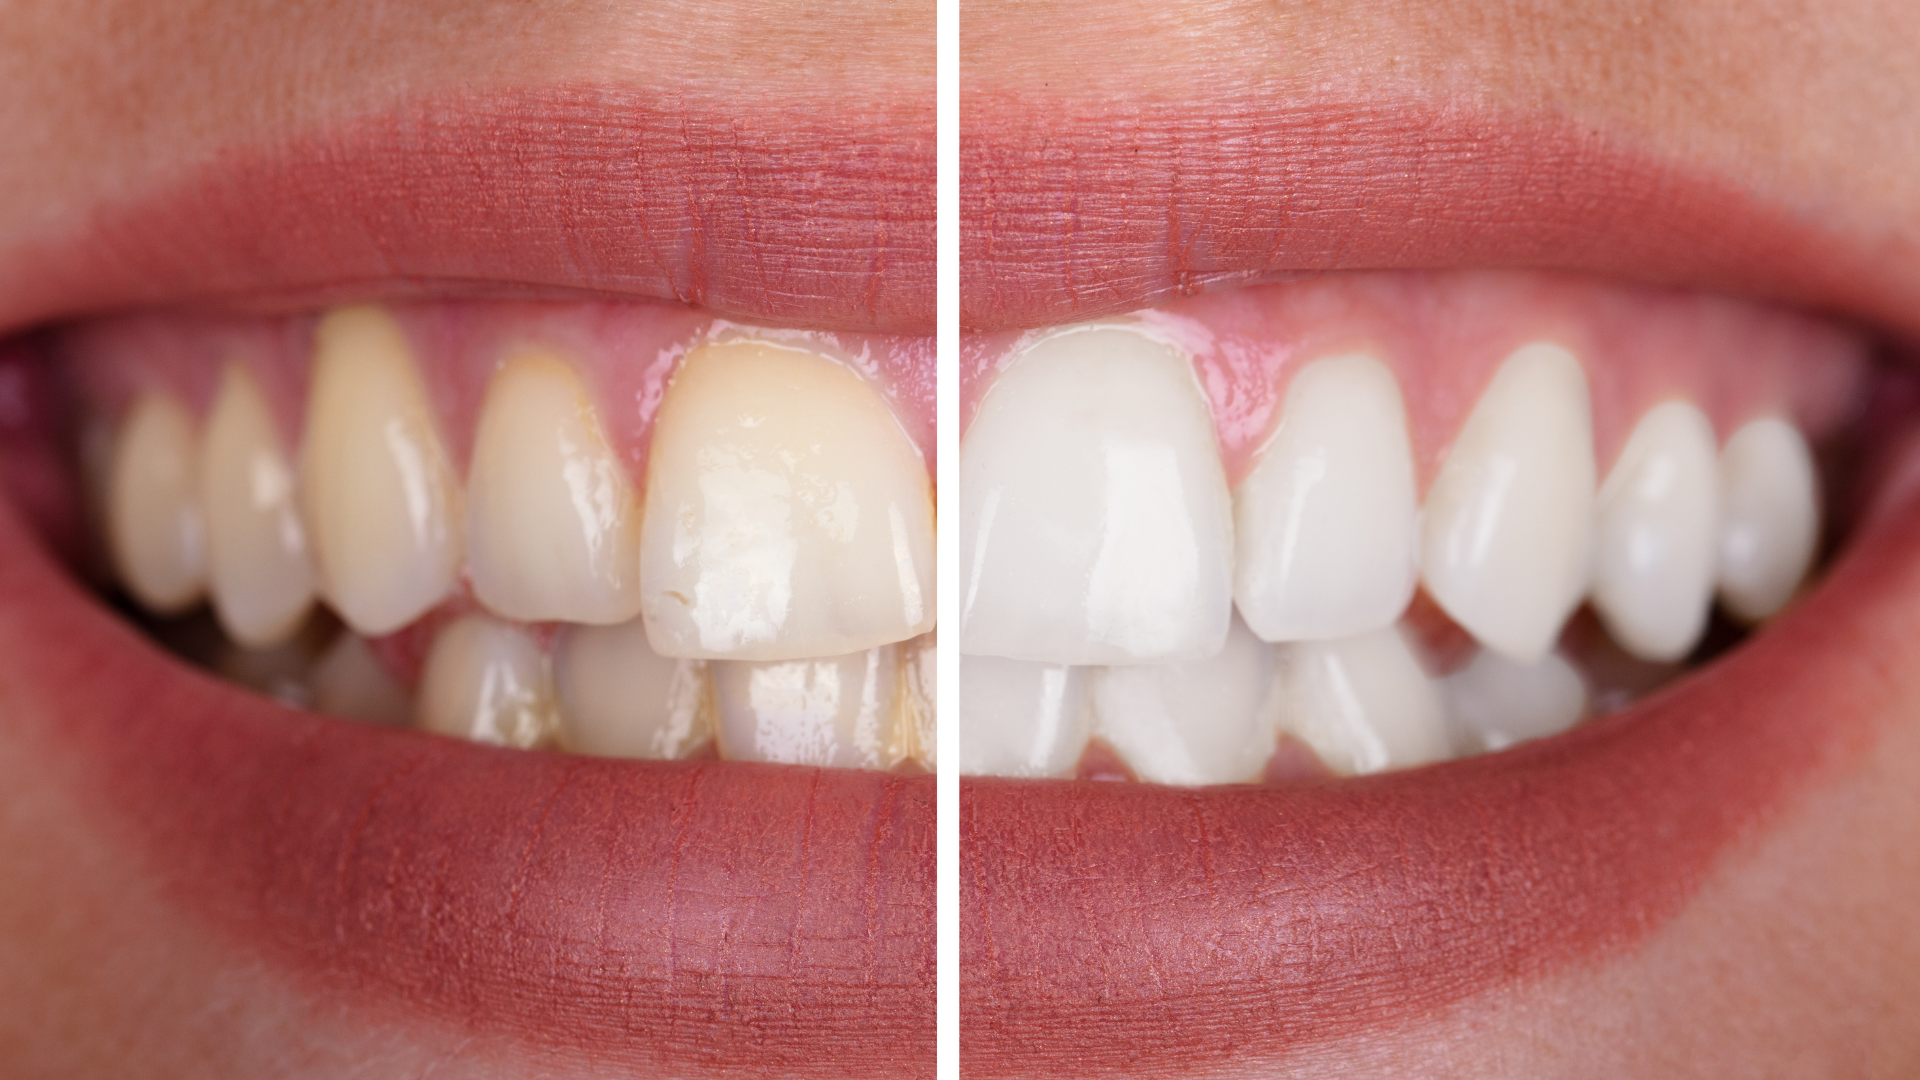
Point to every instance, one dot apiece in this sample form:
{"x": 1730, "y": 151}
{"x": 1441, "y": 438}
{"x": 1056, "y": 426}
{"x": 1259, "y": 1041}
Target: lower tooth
{"x": 919, "y": 729}
{"x": 1494, "y": 702}
{"x": 837, "y": 711}
{"x": 154, "y": 528}
{"x": 350, "y": 681}
{"x": 1364, "y": 704}
{"x": 619, "y": 698}
{"x": 1769, "y": 517}
{"x": 262, "y": 580}
{"x": 1207, "y": 722}
{"x": 487, "y": 681}
{"x": 1021, "y": 719}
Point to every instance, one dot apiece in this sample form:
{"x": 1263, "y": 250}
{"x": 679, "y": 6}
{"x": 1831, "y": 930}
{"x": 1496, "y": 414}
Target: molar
{"x": 487, "y": 681}
{"x": 1494, "y": 702}
{"x": 1022, "y": 719}
{"x": 619, "y": 698}
{"x": 1364, "y": 704}
{"x": 1770, "y": 517}
{"x": 1206, "y": 722}
{"x": 155, "y": 532}
{"x": 1655, "y": 529}
{"x": 839, "y": 711}
{"x": 261, "y": 577}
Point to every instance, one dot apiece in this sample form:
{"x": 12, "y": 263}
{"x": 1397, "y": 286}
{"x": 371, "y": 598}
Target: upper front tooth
{"x": 787, "y": 513}
{"x": 838, "y": 711}
{"x": 1495, "y": 702}
{"x": 261, "y": 576}
{"x": 1770, "y": 517}
{"x": 1509, "y": 522}
{"x": 553, "y": 527}
{"x": 154, "y": 529}
{"x": 487, "y": 681}
{"x": 1364, "y": 704}
{"x": 1654, "y": 528}
{"x": 1324, "y": 525}
{"x": 619, "y": 698}
{"x": 1095, "y": 525}
{"x": 1021, "y": 719}
{"x": 383, "y": 505}
{"x": 1206, "y": 722}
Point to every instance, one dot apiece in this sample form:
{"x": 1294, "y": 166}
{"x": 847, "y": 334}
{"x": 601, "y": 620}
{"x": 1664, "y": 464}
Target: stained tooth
{"x": 1509, "y": 521}
{"x": 787, "y": 513}
{"x": 619, "y": 698}
{"x": 154, "y": 528}
{"x": 1095, "y": 524}
{"x": 1022, "y": 719}
{"x": 553, "y": 527}
{"x": 920, "y": 732}
{"x": 1364, "y": 704}
{"x": 1494, "y": 702}
{"x": 261, "y": 577}
{"x": 487, "y": 681}
{"x": 382, "y": 503}
{"x": 839, "y": 711}
{"x": 1324, "y": 525}
{"x": 1769, "y": 517}
{"x": 1655, "y": 528}
{"x": 1206, "y": 722}
{"x": 350, "y": 681}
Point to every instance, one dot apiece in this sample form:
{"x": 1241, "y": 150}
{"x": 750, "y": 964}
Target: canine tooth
{"x": 1324, "y": 525}
{"x": 837, "y": 711}
{"x": 1769, "y": 517}
{"x": 1095, "y": 524}
{"x": 1654, "y": 532}
{"x": 1508, "y": 524}
{"x": 154, "y": 528}
{"x": 787, "y": 514}
{"x": 553, "y": 526}
{"x": 487, "y": 681}
{"x": 619, "y": 698}
{"x": 1494, "y": 702}
{"x": 1022, "y": 719}
{"x": 258, "y": 569}
{"x": 1206, "y": 722}
{"x": 349, "y": 681}
{"x": 1364, "y": 703}
{"x": 382, "y": 503}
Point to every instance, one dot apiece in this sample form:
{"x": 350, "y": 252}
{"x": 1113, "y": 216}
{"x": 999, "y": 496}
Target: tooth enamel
{"x": 1655, "y": 528}
{"x": 553, "y": 527}
{"x": 838, "y": 711}
{"x": 1021, "y": 719}
{"x": 382, "y": 504}
{"x": 920, "y": 732}
{"x": 1095, "y": 525}
{"x": 619, "y": 698}
{"x": 1206, "y": 722}
{"x": 787, "y": 514}
{"x": 1364, "y": 704}
{"x": 349, "y": 681}
{"x": 258, "y": 569}
{"x": 1494, "y": 702}
{"x": 1508, "y": 523}
{"x": 487, "y": 681}
{"x": 1324, "y": 524}
{"x": 1769, "y": 517}
{"x": 154, "y": 528}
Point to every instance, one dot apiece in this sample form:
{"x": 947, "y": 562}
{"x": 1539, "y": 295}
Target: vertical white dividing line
{"x": 946, "y": 476}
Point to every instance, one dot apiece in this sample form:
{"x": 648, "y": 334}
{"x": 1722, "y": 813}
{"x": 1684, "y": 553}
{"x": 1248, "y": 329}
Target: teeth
{"x": 1364, "y": 704}
{"x": 1021, "y": 719}
{"x": 487, "y": 681}
{"x": 553, "y": 528}
{"x": 839, "y": 711}
{"x": 349, "y": 681}
{"x": 1207, "y": 722}
{"x": 787, "y": 514}
{"x": 154, "y": 527}
{"x": 619, "y": 698}
{"x": 1095, "y": 526}
{"x": 1324, "y": 525}
{"x": 1770, "y": 517}
{"x": 1494, "y": 702}
{"x": 919, "y": 729}
{"x": 262, "y": 580}
{"x": 1654, "y": 534}
{"x": 1509, "y": 522}
{"x": 382, "y": 503}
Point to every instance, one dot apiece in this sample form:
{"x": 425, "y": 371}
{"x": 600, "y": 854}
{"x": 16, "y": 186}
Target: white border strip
{"x": 947, "y": 417}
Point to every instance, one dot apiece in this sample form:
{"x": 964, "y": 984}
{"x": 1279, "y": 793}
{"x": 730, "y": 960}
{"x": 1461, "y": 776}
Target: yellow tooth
{"x": 154, "y": 529}
{"x": 787, "y": 513}
{"x": 619, "y": 698}
{"x": 840, "y": 711}
{"x": 382, "y": 503}
{"x": 553, "y": 527}
{"x": 918, "y": 732}
{"x": 487, "y": 681}
{"x": 348, "y": 680}
{"x": 261, "y": 577}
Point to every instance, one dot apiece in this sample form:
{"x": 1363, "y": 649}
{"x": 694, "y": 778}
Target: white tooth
{"x": 349, "y": 681}
{"x": 1769, "y": 517}
{"x": 1654, "y": 534}
{"x": 1509, "y": 522}
{"x": 839, "y": 711}
{"x": 1324, "y": 524}
{"x": 1022, "y": 719}
{"x": 154, "y": 528}
{"x": 920, "y": 731}
{"x": 487, "y": 681}
{"x": 1095, "y": 524}
{"x": 1495, "y": 702}
{"x": 787, "y": 513}
{"x": 1206, "y": 722}
{"x": 1364, "y": 704}
{"x": 261, "y": 577}
{"x": 553, "y": 527}
{"x": 382, "y": 503}
{"x": 619, "y": 698}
